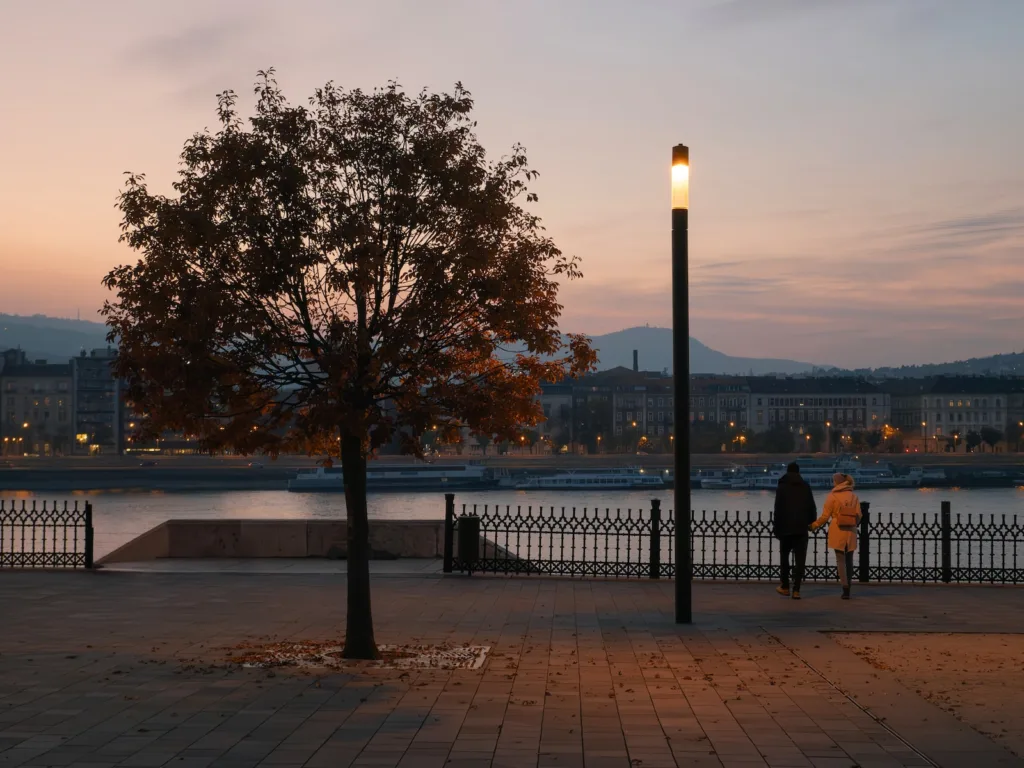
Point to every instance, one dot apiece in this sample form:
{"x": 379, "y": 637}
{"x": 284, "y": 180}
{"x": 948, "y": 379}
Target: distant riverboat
{"x": 816, "y": 472}
{"x": 629, "y": 478}
{"x": 408, "y": 477}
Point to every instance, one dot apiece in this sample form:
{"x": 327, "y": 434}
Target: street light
{"x": 681, "y": 378}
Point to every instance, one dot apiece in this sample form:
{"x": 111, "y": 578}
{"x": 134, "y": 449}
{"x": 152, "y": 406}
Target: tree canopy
{"x": 346, "y": 273}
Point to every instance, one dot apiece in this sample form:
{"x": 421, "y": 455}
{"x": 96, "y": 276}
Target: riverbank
{"x": 206, "y": 473}
{"x": 515, "y": 460}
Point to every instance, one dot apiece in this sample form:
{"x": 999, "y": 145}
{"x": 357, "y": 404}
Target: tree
{"x": 429, "y": 438}
{"x": 778, "y": 439}
{"x": 857, "y": 440}
{"x": 835, "y": 438}
{"x": 594, "y": 420}
{"x": 708, "y": 437}
{"x": 817, "y": 433}
{"x": 972, "y": 441}
{"x": 991, "y": 436}
{"x": 873, "y": 439}
{"x": 954, "y": 439}
{"x": 1015, "y": 434}
{"x": 336, "y": 275}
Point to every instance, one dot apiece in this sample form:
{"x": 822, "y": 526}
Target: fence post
{"x": 88, "y": 534}
{"x": 449, "y": 531}
{"x": 655, "y": 539}
{"x": 865, "y": 542}
{"x": 947, "y": 542}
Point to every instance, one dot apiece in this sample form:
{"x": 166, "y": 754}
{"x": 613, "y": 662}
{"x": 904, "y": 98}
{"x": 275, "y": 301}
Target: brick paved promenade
{"x": 127, "y": 669}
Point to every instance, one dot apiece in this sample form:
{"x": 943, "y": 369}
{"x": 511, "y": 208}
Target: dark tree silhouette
{"x": 817, "y": 433}
{"x": 991, "y": 436}
{"x": 973, "y": 441}
{"x": 338, "y": 276}
{"x": 777, "y": 439}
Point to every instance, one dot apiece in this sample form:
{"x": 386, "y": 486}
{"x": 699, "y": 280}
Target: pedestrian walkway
{"x": 405, "y": 566}
{"x": 129, "y": 669}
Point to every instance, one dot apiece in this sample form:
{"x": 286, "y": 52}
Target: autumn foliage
{"x": 338, "y": 276}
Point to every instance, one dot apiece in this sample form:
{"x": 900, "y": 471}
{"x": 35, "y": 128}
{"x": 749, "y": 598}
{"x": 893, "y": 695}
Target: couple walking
{"x": 796, "y": 514}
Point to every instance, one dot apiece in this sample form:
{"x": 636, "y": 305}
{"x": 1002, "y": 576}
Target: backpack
{"x": 849, "y": 509}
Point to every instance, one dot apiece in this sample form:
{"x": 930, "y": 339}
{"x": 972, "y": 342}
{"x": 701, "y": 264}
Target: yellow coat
{"x": 837, "y": 537}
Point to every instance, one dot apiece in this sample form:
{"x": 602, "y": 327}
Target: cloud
{"x": 974, "y": 230}
{"x": 717, "y": 265}
{"x": 742, "y": 12}
{"x": 190, "y": 48}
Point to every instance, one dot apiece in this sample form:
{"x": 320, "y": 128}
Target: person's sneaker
{"x": 846, "y": 593}
{"x": 784, "y": 591}
{"x": 796, "y": 594}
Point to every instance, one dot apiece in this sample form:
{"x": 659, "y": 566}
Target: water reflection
{"x": 123, "y": 514}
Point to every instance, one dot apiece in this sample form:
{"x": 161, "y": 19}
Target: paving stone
{"x": 128, "y": 670}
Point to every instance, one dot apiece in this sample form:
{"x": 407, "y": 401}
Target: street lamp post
{"x": 681, "y": 378}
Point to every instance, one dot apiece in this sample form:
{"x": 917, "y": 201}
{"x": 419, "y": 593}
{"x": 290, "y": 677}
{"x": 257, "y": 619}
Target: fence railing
{"x": 640, "y": 543}
{"x": 41, "y": 534}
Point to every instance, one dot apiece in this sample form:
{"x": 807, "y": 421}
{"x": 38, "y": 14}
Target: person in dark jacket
{"x": 794, "y": 512}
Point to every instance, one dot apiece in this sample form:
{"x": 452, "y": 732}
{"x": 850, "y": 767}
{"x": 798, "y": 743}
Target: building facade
{"x": 36, "y": 407}
{"x": 831, "y": 403}
{"x": 720, "y": 400}
{"x": 99, "y": 412}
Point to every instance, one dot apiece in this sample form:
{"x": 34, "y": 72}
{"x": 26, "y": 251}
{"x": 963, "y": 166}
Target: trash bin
{"x": 469, "y": 541}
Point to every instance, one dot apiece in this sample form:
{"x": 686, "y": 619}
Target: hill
{"x": 57, "y": 339}
{"x": 654, "y": 347}
{"x": 50, "y": 338}
{"x": 1011, "y": 364}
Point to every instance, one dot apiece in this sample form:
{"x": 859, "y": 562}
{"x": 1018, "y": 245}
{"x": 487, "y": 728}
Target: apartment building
{"x": 99, "y": 411}
{"x": 36, "y": 406}
{"x": 833, "y": 403}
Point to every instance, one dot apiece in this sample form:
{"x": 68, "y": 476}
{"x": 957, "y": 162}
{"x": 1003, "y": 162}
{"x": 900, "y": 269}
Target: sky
{"x": 857, "y": 176}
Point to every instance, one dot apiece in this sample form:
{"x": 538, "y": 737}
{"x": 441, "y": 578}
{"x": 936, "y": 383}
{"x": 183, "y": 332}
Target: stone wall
{"x": 389, "y": 539}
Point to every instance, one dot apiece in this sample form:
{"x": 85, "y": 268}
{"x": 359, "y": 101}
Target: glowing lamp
{"x": 680, "y": 178}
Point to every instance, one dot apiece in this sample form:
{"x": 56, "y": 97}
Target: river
{"x": 119, "y": 517}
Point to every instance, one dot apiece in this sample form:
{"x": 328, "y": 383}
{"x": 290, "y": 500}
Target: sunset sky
{"x": 857, "y": 167}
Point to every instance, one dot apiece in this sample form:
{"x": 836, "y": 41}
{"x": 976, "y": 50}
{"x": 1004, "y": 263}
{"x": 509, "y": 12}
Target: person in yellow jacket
{"x": 842, "y": 513}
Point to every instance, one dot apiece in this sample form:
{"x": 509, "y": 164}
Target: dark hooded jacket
{"x": 794, "y": 509}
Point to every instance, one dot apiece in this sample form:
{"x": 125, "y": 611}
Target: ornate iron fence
{"x": 639, "y": 543}
{"x": 45, "y": 534}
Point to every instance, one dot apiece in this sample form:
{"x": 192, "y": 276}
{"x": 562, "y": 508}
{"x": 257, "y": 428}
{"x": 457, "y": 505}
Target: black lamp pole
{"x": 681, "y": 379}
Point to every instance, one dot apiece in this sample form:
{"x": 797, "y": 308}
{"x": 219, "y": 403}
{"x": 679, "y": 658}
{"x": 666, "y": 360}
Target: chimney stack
{"x": 636, "y": 361}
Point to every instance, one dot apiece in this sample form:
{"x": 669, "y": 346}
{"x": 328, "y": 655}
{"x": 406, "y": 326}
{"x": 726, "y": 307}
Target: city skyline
{"x": 857, "y": 197}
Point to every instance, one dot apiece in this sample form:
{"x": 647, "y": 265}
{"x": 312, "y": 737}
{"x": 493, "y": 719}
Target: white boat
{"x": 925, "y": 476}
{"x": 398, "y": 477}
{"x": 629, "y": 478}
{"x": 731, "y": 479}
{"x": 882, "y": 476}
{"x": 818, "y": 474}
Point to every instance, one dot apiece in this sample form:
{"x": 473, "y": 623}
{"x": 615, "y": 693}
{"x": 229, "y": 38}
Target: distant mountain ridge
{"x": 654, "y": 349}
{"x": 1010, "y": 364}
{"x": 57, "y": 339}
{"x": 52, "y": 339}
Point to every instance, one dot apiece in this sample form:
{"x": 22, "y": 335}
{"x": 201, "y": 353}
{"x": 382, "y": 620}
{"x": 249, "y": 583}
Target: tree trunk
{"x": 359, "y": 642}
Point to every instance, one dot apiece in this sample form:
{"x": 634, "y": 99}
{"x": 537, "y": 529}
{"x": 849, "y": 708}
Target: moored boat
{"x": 627, "y": 478}
{"x": 398, "y": 477}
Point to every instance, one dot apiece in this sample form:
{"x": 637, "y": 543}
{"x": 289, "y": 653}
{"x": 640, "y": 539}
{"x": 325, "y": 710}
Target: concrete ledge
{"x": 389, "y": 540}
